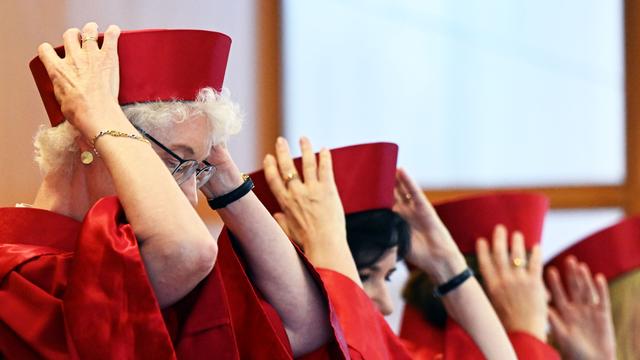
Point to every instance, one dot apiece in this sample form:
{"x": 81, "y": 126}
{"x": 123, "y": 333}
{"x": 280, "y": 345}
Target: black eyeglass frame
{"x": 181, "y": 161}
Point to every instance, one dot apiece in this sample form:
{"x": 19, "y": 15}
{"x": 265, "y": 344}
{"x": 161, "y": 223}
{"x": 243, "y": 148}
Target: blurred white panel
{"x": 477, "y": 93}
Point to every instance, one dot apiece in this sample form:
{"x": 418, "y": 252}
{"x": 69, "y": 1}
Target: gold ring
{"x": 88, "y": 38}
{"x": 595, "y": 299}
{"x": 519, "y": 262}
{"x": 290, "y": 177}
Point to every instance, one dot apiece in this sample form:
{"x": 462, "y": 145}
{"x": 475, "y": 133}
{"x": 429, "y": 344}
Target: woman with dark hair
{"x": 377, "y": 240}
{"x": 310, "y": 209}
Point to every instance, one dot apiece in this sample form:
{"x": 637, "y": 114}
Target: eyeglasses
{"x": 185, "y": 168}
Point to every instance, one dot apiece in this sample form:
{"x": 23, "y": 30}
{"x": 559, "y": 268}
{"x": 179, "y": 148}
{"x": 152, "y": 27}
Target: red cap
{"x": 155, "y": 65}
{"x": 612, "y": 251}
{"x": 365, "y": 176}
{"x": 472, "y": 217}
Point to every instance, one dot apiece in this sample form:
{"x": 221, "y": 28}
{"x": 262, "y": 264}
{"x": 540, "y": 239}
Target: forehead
{"x": 189, "y": 138}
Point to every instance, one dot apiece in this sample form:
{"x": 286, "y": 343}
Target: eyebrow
{"x": 377, "y": 268}
{"x": 186, "y": 150}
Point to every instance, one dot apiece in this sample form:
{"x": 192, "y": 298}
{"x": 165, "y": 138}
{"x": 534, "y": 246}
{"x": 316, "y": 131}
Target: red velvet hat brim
{"x": 364, "y": 175}
{"x": 155, "y": 65}
{"x": 612, "y": 251}
{"x": 472, "y": 217}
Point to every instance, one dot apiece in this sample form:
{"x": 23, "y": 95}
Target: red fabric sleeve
{"x": 529, "y": 347}
{"x": 227, "y": 315}
{"x": 367, "y": 333}
{"x": 71, "y": 290}
{"x": 457, "y": 344}
{"x": 94, "y": 302}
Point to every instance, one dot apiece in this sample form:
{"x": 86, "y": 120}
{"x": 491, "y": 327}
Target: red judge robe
{"x": 72, "y": 290}
{"x": 79, "y": 290}
{"x": 365, "y": 178}
{"x": 467, "y": 219}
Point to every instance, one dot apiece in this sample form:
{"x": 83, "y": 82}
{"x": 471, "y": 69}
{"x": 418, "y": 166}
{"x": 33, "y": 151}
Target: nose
{"x": 190, "y": 190}
{"x": 382, "y": 298}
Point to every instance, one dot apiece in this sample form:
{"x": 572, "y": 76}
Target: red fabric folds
{"x": 242, "y": 318}
{"x": 92, "y": 302}
{"x": 455, "y": 343}
{"x": 226, "y": 317}
{"x": 71, "y": 290}
{"x": 367, "y": 333}
{"x": 369, "y": 336}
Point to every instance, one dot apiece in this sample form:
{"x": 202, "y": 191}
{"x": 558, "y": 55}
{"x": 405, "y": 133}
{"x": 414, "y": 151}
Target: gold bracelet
{"x": 116, "y": 133}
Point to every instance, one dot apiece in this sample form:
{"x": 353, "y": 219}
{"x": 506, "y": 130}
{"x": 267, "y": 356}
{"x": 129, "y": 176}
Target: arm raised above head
{"x": 176, "y": 246}
{"x": 434, "y": 252}
{"x": 276, "y": 267}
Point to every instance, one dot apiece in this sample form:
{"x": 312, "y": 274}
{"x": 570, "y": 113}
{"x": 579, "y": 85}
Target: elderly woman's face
{"x": 375, "y": 280}
{"x": 191, "y": 140}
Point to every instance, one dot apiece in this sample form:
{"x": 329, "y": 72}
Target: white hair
{"x": 56, "y": 148}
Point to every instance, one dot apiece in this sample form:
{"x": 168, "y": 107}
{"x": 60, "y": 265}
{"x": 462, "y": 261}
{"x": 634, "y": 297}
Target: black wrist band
{"x": 226, "y": 199}
{"x": 453, "y": 283}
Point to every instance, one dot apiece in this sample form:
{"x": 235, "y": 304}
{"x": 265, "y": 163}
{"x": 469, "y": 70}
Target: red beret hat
{"x": 612, "y": 251}
{"x": 364, "y": 174}
{"x": 472, "y": 217}
{"x": 155, "y": 65}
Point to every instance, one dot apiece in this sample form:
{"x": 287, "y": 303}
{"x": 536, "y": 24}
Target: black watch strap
{"x": 226, "y": 199}
{"x": 453, "y": 283}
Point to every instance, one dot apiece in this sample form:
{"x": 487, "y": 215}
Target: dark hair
{"x": 371, "y": 233}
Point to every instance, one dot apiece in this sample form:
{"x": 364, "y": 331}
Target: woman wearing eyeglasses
{"x": 88, "y": 275}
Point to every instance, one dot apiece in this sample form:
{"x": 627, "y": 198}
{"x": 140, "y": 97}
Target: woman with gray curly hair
{"x": 85, "y": 274}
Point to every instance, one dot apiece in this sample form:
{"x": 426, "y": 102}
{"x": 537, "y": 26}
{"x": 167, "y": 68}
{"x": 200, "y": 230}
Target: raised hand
{"x": 312, "y": 211}
{"x": 580, "y": 318}
{"x": 432, "y": 248}
{"x": 513, "y": 283}
{"x": 86, "y": 80}
{"x": 226, "y": 176}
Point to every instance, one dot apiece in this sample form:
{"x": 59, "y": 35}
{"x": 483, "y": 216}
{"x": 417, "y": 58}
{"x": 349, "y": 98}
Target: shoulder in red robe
{"x": 367, "y": 333}
{"x": 79, "y": 290}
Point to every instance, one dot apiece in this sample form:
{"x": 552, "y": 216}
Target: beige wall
{"x": 26, "y": 23}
